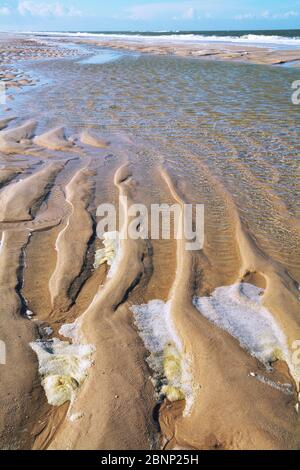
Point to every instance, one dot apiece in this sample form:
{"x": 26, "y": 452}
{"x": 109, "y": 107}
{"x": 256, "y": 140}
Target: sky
{"x": 145, "y": 15}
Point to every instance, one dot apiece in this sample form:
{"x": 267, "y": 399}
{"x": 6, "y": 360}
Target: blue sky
{"x": 148, "y": 14}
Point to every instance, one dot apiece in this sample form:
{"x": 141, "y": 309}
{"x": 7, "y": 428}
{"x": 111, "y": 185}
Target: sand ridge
{"x": 206, "y": 51}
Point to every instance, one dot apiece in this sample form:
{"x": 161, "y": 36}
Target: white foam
{"x": 285, "y": 388}
{"x": 63, "y": 368}
{"x": 75, "y": 416}
{"x": 238, "y": 309}
{"x": 110, "y": 254}
{"x": 46, "y": 330}
{"x": 71, "y": 331}
{"x": 251, "y": 39}
{"x": 1, "y": 242}
{"x": 167, "y": 359}
{"x": 29, "y": 314}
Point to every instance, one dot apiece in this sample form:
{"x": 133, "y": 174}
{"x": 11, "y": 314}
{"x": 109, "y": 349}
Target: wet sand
{"x": 208, "y": 51}
{"x": 144, "y": 352}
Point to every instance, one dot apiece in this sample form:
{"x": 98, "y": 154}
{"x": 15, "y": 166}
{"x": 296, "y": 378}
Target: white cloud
{"x": 73, "y": 11}
{"x": 4, "y": 11}
{"x": 287, "y": 14}
{"x": 267, "y": 15}
{"x": 29, "y": 7}
{"x": 279, "y": 16}
{"x": 145, "y": 12}
{"x": 245, "y": 16}
{"x": 190, "y": 14}
{"x": 187, "y": 10}
{"x": 137, "y": 12}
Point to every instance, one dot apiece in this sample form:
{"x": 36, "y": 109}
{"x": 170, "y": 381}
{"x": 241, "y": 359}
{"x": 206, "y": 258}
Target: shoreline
{"x": 261, "y": 54}
{"x": 224, "y": 52}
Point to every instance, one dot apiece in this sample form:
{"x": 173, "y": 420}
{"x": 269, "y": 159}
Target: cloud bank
{"x": 29, "y": 7}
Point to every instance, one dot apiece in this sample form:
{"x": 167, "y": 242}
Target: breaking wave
{"x": 251, "y": 38}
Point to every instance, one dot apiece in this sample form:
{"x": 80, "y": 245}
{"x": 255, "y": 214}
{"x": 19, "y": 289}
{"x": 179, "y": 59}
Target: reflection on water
{"x": 213, "y": 123}
{"x": 102, "y": 57}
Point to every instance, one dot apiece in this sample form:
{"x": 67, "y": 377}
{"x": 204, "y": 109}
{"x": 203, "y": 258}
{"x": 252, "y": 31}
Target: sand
{"x": 88, "y": 380}
{"x": 207, "y": 51}
{"x": 53, "y": 140}
{"x": 72, "y": 242}
{"x": 88, "y": 138}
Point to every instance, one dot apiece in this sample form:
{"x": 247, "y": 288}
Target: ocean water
{"x": 102, "y": 57}
{"x": 218, "y": 126}
{"x": 272, "y": 38}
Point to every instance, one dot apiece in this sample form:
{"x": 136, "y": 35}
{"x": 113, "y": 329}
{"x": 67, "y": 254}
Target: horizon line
{"x": 145, "y": 31}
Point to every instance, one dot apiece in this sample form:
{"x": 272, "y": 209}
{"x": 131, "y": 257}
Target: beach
{"x": 130, "y": 344}
{"x": 237, "y": 47}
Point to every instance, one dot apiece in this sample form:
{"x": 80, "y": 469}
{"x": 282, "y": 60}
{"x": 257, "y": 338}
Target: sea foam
{"x": 167, "y": 359}
{"x": 111, "y": 252}
{"x": 238, "y": 309}
{"x": 258, "y": 40}
{"x": 63, "y": 368}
